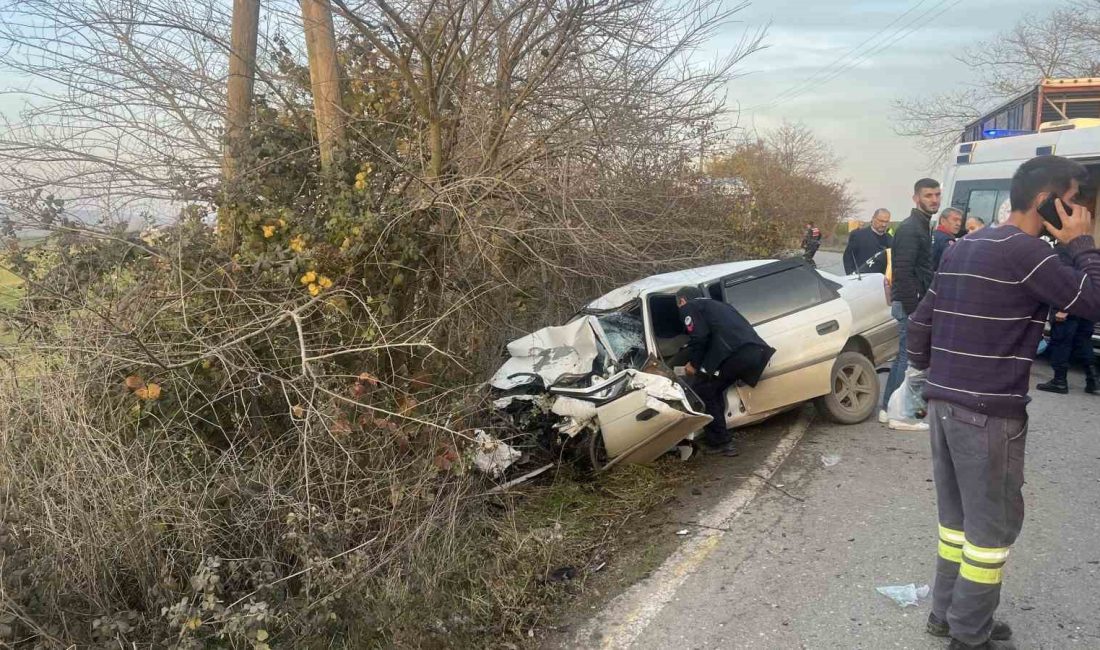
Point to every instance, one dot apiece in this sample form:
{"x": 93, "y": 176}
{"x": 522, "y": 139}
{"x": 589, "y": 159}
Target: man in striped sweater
{"x": 976, "y": 332}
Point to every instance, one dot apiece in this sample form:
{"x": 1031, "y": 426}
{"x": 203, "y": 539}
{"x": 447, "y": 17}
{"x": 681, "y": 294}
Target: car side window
{"x": 772, "y": 296}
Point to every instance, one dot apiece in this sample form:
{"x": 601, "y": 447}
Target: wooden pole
{"x": 242, "y": 75}
{"x": 324, "y": 76}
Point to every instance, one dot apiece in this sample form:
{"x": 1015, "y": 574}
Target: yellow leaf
{"x": 261, "y": 635}
{"x": 324, "y": 281}
{"x": 133, "y": 382}
{"x": 193, "y": 623}
{"x": 309, "y": 278}
{"x": 314, "y": 289}
{"x": 298, "y": 411}
{"x": 148, "y": 392}
{"x": 269, "y": 232}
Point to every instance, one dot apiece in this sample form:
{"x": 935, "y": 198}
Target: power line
{"x": 825, "y": 74}
{"x": 917, "y": 23}
{"x": 843, "y": 56}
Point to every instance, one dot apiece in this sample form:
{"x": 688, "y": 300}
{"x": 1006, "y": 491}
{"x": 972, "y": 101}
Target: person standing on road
{"x": 866, "y": 249}
{"x": 945, "y": 234}
{"x": 912, "y": 275}
{"x": 723, "y": 349}
{"x": 811, "y": 241}
{"x": 976, "y": 333}
{"x": 1070, "y": 336}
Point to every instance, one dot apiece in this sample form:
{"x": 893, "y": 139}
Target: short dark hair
{"x": 925, "y": 183}
{"x": 688, "y": 293}
{"x": 950, "y": 211}
{"x": 978, "y": 219}
{"x": 1044, "y": 174}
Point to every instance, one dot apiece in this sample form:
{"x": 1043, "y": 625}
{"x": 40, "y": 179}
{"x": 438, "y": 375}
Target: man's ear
{"x": 1040, "y": 199}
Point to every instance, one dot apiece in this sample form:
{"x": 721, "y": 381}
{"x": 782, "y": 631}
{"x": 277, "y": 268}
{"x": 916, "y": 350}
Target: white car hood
{"x": 550, "y": 353}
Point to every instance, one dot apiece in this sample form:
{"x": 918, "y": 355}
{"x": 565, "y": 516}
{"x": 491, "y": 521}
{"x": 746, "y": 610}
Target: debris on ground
{"x": 905, "y": 595}
{"x": 828, "y": 460}
{"x": 682, "y": 532}
{"x": 562, "y": 574}
{"x": 522, "y": 479}
{"x": 493, "y": 456}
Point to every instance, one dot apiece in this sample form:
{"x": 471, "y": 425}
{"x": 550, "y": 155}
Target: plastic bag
{"x": 905, "y": 595}
{"x": 907, "y": 403}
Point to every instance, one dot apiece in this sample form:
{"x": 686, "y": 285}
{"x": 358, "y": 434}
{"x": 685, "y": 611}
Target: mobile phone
{"x": 1048, "y": 210}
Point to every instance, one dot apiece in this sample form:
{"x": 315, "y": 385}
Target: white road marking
{"x": 628, "y": 615}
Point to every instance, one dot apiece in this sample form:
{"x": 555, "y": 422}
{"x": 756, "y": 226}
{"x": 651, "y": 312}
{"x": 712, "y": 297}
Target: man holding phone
{"x": 976, "y": 332}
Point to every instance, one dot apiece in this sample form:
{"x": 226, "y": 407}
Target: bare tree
{"x": 800, "y": 151}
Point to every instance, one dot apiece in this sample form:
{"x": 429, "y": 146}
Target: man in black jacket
{"x": 866, "y": 249}
{"x": 912, "y": 262}
{"x": 723, "y": 349}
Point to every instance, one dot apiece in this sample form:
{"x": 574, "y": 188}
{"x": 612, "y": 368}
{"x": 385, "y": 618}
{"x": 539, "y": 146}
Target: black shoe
{"x": 727, "y": 449}
{"x": 1090, "y": 386}
{"x": 988, "y": 645}
{"x": 1055, "y": 386}
{"x": 1001, "y": 631}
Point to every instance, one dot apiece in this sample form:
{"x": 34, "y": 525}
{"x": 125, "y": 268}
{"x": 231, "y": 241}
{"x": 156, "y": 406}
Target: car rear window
{"x": 762, "y": 299}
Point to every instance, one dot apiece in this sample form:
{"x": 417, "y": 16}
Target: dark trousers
{"x": 711, "y": 389}
{"x": 978, "y": 464}
{"x": 1070, "y": 337}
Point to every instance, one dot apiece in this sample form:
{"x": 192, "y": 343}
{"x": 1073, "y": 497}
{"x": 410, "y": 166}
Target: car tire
{"x": 593, "y": 455}
{"x": 855, "y": 390}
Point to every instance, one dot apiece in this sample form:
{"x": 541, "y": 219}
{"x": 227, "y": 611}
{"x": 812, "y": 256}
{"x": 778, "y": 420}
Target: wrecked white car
{"x": 607, "y": 387}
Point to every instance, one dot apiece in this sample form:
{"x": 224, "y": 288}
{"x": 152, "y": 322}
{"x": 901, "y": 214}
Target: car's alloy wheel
{"x": 855, "y": 390}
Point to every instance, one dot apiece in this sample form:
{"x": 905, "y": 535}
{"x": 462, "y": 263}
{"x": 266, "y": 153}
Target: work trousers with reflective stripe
{"x": 978, "y": 464}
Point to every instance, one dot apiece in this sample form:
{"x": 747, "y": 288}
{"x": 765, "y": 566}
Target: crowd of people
{"x": 911, "y": 258}
{"x": 971, "y": 308}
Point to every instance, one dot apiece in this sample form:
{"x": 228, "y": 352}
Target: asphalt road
{"x": 799, "y": 563}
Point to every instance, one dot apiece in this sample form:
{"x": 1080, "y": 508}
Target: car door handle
{"x": 828, "y": 328}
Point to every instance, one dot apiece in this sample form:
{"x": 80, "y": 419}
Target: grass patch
{"x": 11, "y": 289}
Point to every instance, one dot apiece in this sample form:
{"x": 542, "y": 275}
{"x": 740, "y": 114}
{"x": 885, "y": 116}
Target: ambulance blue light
{"x": 1003, "y": 133}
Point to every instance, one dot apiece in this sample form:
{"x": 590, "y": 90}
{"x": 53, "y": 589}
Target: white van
{"x": 978, "y": 180}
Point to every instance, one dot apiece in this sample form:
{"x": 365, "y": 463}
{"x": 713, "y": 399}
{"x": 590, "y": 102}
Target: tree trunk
{"x": 242, "y": 75}
{"x": 324, "y": 76}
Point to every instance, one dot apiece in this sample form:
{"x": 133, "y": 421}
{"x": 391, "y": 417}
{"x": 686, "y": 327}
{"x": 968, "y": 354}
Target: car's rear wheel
{"x": 855, "y": 390}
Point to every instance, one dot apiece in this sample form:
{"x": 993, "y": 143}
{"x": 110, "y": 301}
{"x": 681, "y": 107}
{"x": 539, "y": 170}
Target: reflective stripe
{"x": 979, "y": 574}
{"x": 950, "y": 553}
{"x": 987, "y": 555}
{"x": 951, "y": 535}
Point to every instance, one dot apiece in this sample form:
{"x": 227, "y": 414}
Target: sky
{"x": 852, "y": 111}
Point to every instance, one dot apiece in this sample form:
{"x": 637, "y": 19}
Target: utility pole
{"x": 242, "y": 75}
{"x": 324, "y": 77}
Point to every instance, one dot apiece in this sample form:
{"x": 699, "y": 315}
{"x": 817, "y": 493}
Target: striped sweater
{"x": 978, "y": 328}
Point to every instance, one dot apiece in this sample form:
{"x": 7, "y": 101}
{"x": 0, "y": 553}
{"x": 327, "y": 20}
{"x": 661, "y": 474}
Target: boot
{"x": 1000, "y": 632}
{"x": 1090, "y": 382}
{"x": 1056, "y": 385}
{"x": 988, "y": 645}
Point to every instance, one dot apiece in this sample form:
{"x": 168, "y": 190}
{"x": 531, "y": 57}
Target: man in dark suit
{"x": 867, "y": 243}
{"x": 723, "y": 349}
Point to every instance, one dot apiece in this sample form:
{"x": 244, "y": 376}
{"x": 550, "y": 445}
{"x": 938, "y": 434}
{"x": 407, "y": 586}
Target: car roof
{"x": 667, "y": 281}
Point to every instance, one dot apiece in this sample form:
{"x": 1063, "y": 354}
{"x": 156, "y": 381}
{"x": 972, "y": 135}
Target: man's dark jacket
{"x": 717, "y": 331}
{"x": 912, "y": 260}
{"x": 864, "y": 244}
{"x": 940, "y": 242}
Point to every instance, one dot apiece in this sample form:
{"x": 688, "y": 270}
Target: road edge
{"x": 624, "y": 619}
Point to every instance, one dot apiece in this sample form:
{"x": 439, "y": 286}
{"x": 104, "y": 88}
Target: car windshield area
{"x": 625, "y": 334}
